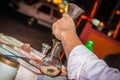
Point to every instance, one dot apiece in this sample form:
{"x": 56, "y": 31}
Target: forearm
{"x": 69, "y": 40}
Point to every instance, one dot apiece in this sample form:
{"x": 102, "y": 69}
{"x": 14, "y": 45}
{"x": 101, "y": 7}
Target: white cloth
{"x": 85, "y": 65}
{"x": 25, "y": 74}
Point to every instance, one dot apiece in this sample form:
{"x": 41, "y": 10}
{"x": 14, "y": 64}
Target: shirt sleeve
{"x": 85, "y": 65}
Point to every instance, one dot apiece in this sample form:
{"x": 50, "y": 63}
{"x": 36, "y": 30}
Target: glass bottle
{"x": 51, "y": 65}
{"x": 45, "y": 48}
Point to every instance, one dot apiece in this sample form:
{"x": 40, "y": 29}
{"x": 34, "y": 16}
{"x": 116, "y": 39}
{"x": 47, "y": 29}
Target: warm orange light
{"x": 57, "y": 1}
{"x": 118, "y": 12}
{"x": 101, "y": 24}
{"x": 94, "y": 8}
{"x": 84, "y": 17}
{"x": 61, "y": 10}
{"x": 116, "y": 30}
{"x": 62, "y": 6}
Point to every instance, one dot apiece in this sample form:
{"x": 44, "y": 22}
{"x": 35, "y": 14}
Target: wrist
{"x": 67, "y": 34}
{"x": 69, "y": 40}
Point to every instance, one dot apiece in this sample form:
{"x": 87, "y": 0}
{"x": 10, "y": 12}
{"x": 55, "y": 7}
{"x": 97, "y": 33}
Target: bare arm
{"x": 69, "y": 40}
{"x": 82, "y": 63}
{"x": 64, "y": 30}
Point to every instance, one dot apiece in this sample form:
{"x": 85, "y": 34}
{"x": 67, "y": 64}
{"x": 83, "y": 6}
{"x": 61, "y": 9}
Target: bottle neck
{"x": 56, "y": 49}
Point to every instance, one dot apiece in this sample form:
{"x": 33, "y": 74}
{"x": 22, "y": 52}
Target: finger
{"x": 55, "y": 31}
{"x": 53, "y": 28}
{"x": 54, "y": 24}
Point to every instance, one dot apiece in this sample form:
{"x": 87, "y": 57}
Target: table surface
{"x": 25, "y": 74}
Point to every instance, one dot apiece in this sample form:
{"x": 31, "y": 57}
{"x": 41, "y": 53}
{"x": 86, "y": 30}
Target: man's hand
{"x": 66, "y": 23}
{"x": 64, "y": 30}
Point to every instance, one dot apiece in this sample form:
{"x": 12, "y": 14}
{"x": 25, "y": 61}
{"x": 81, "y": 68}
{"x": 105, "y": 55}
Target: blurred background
{"x": 27, "y": 21}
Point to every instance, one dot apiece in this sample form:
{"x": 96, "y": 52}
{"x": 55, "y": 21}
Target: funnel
{"x": 74, "y": 11}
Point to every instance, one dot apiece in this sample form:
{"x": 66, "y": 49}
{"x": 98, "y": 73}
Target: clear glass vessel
{"x": 51, "y": 64}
